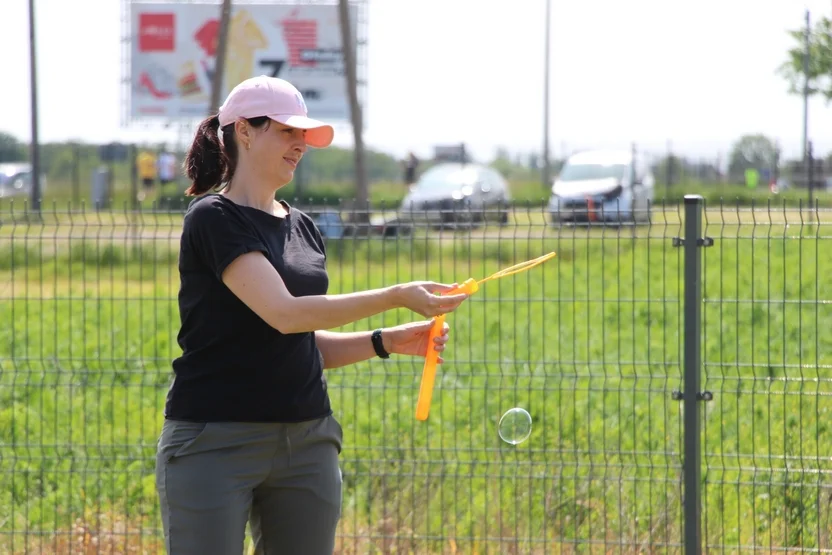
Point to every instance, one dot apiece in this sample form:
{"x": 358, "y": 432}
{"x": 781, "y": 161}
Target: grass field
{"x": 589, "y": 343}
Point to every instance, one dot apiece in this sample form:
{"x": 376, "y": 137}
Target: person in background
{"x": 166, "y": 166}
{"x": 146, "y": 165}
{"x": 411, "y": 165}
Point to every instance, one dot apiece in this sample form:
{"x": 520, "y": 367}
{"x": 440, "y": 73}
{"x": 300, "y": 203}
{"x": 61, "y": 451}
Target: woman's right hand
{"x": 421, "y": 297}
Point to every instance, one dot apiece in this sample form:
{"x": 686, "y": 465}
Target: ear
{"x": 243, "y": 132}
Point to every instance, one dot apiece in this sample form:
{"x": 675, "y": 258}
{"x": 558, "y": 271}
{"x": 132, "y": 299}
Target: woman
{"x": 249, "y": 434}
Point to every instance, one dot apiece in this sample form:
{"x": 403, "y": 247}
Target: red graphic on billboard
{"x": 207, "y": 36}
{"x": 146, "y": 81}
{"x": 300, "y": 35}
{"x": 157, "y": 32}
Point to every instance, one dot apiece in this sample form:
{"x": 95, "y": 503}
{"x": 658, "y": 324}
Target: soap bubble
{"x": 515, "y": 426}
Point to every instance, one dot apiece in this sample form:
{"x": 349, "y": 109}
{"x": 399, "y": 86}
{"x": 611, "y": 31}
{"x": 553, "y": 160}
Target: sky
{"x": 696, "y": 75}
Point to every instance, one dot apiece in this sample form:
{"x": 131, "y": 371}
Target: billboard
{"x": 173, "y": 53}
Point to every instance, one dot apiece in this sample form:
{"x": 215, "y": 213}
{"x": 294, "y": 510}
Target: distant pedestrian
{"x": 411, "y": 166}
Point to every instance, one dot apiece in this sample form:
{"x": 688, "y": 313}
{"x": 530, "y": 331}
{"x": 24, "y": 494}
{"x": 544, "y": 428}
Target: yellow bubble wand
{"x": 469, "y": 286}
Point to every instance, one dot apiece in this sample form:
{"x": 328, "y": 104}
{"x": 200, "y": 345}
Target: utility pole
{"x": 348, "y": 45}
{"x": 33, "y": 85}
{"x": 546, "y": 177}
{"x": 806, "y": 53}
{"x": 219, "y": 66}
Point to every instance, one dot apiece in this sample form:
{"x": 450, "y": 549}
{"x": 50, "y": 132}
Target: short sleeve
{"x": 217, "y": 235}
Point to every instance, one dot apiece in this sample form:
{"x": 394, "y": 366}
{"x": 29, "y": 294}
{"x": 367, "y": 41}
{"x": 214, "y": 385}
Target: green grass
{"x": 590, "y": 343}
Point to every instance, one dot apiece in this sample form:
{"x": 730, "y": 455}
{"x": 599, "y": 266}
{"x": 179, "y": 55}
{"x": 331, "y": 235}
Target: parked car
{"x": 328, "y": 222}
{"x": 451, "y": 193}
{"x": 604, "y": 186}
{"x": 16, "y": 179}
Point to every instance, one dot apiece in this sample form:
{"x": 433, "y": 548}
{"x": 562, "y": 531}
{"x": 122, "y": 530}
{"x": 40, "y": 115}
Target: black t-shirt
{"x": 235, "y": 366}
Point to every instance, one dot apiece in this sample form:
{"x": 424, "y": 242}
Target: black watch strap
{"x": 378, "y": 345}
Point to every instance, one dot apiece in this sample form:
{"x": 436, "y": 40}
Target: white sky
{"x": 698, "y": 74}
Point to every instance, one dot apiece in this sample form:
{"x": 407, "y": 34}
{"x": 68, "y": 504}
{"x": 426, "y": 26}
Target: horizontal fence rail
{"x": 595, "y": 344}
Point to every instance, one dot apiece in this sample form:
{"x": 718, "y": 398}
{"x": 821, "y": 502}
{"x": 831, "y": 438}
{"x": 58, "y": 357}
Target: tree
{"x": 11, "y": 150}
{"x": 820, "y": 60}
{"x": 752, "y": 152}
{"x": 673, "y": 169}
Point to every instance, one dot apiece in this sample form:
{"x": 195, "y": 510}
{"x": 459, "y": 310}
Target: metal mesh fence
{"x": 591, "y": 343}
{"x": 765, "y": 443}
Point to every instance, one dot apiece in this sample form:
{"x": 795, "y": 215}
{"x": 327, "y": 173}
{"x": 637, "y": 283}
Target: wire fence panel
{"x": 565, "y": 341}
{"x": 766, "y": 438}
{"x": 590, "y": 343}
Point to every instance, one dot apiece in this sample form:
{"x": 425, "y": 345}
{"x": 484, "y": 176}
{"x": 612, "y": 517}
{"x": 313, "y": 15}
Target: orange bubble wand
{"x": 469, "y": 286}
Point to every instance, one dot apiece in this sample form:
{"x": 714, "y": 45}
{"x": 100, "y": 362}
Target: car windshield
{"x": 446, "y": 178}
{"x": 582, "y": 172}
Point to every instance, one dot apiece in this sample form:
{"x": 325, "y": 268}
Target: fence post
{"x": 692, "y": 396}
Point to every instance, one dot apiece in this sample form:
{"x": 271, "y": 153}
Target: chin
{"x": 285, "y": 178}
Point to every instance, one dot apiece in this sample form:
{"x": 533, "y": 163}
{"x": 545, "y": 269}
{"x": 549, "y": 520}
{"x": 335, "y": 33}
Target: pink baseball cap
{"x": 278, "y": 100}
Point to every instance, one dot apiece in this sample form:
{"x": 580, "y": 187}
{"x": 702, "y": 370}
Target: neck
{"x": 251, "y": 190}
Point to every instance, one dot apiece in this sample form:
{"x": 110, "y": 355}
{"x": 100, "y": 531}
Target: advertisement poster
{"x": 174, "y": 53}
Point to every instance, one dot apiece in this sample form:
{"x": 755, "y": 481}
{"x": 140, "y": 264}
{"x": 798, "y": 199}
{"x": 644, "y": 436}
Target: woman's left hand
{"x": 412, "y": 339}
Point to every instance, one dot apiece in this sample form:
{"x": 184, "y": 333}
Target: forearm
{"x": 344, "y": 348}
{"x": 322, "y": 312}
{"x": 253, "y": 279}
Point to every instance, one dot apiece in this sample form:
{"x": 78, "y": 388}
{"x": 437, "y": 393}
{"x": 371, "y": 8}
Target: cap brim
{"x": 318, "y": 133}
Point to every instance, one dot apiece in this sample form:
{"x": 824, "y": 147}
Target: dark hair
{"x": 210, "y": 163}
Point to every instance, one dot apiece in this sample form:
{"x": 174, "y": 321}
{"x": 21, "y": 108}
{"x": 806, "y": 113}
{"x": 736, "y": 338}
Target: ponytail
{"x": 209, "y": 162}
{"x": 206, "y": 163}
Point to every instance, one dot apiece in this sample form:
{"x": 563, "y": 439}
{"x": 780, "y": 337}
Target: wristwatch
{"x": 378, "y": 345}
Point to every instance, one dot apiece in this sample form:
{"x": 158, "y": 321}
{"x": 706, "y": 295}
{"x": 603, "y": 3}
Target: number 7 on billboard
{"x": 276, "y": 65}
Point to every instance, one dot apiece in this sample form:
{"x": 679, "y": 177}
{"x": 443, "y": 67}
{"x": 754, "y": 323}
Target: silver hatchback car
{"x": 452, "y": 192}
{"x": 613, "y": 186}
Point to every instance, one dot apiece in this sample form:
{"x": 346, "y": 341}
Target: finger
{"x": 441, "y": 338}
{"x": 439, "y": 348}
{"x": 426, "y": 325}
{"x": 447, "y": 300}
{"x": 440, "y": 360}
{"x": 434, "y": 287}
{"x": 446, "y": 308}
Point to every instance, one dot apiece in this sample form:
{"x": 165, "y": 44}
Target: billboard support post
{"x": 361, "y": 185}
{"x": 222, "y": 48}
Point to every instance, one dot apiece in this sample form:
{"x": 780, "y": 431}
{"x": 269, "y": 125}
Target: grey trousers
{"x": 283, "y": 479}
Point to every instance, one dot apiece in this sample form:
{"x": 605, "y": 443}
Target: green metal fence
{"x": 675, "y": 370}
